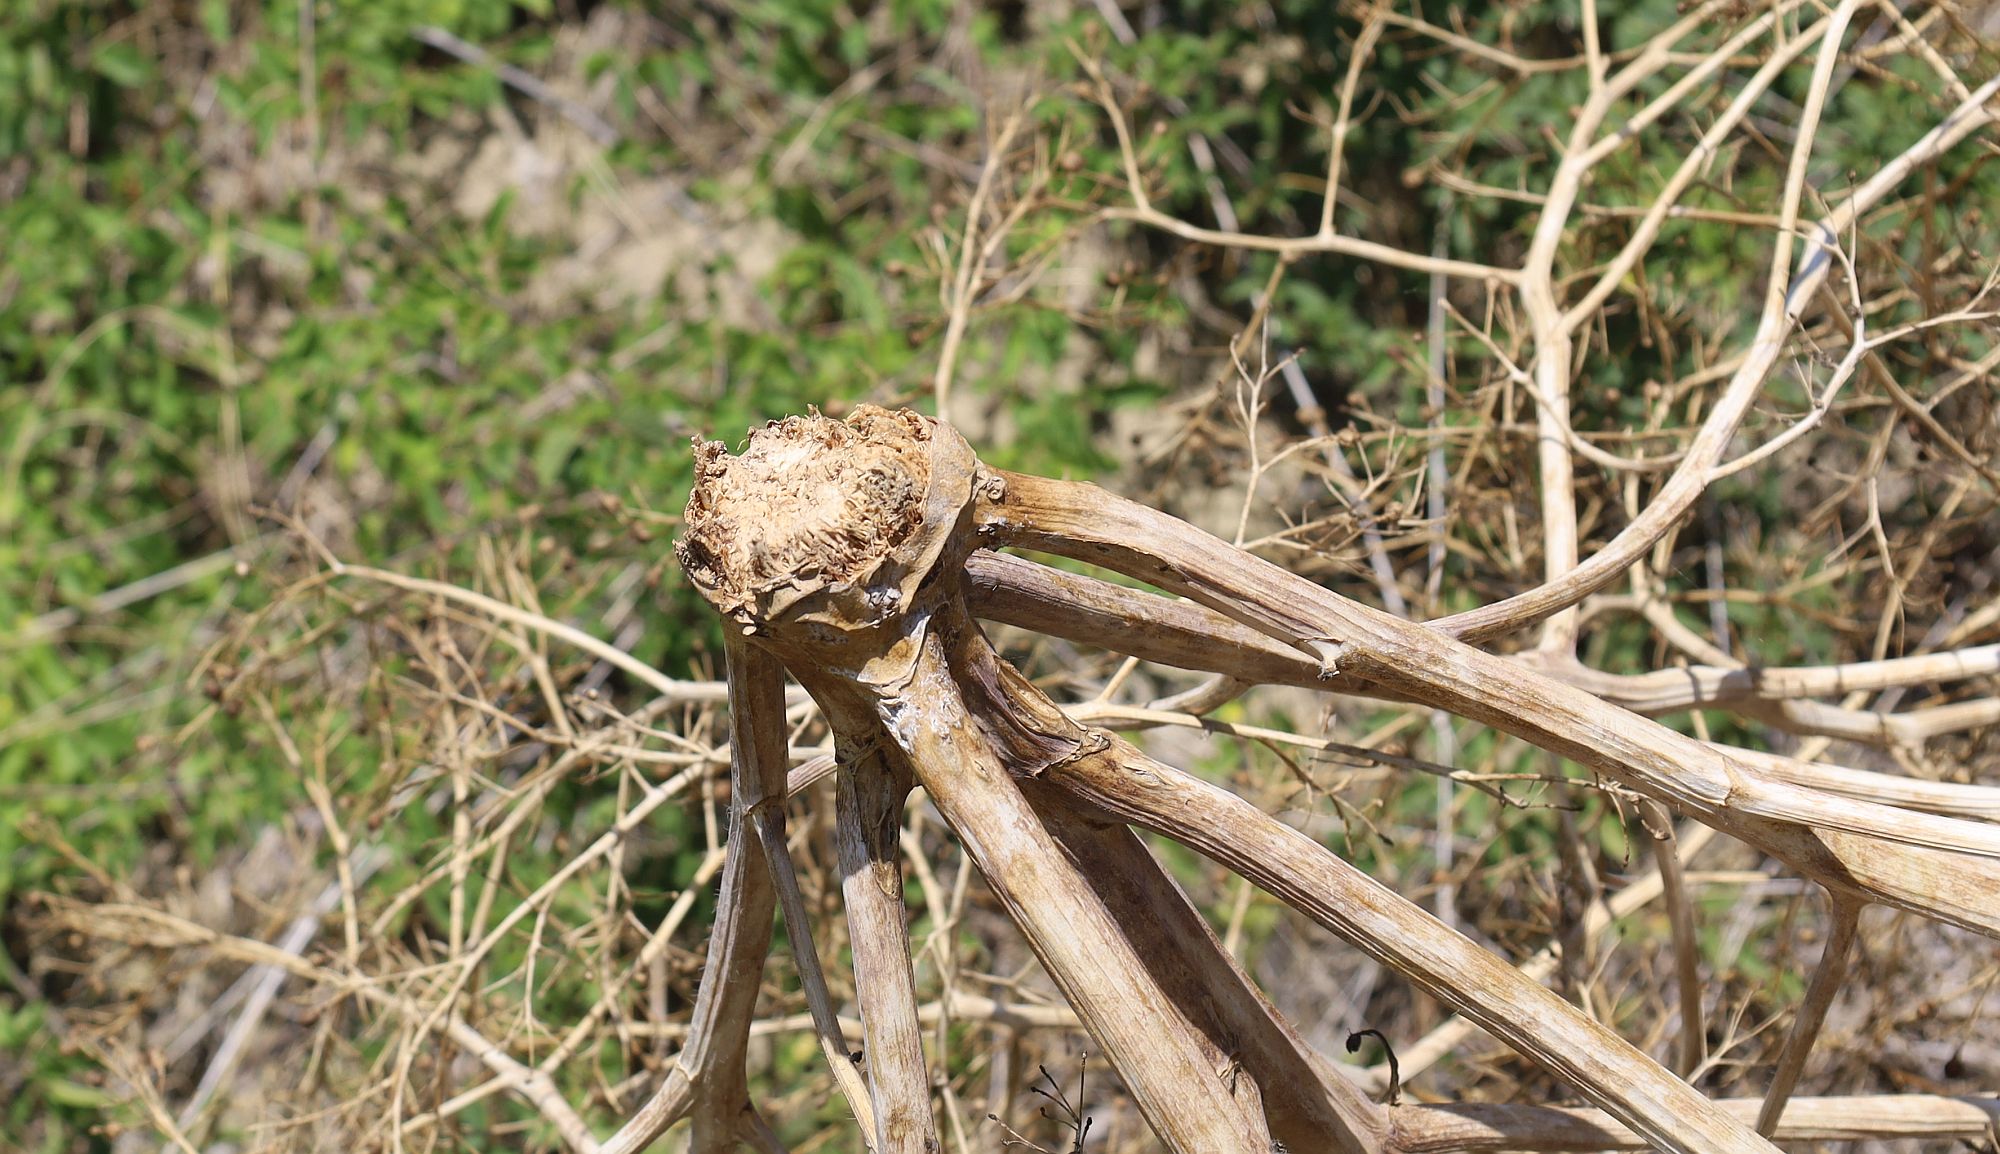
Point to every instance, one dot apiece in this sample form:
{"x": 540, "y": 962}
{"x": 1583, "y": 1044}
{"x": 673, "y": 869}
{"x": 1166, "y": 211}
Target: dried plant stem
{"x": 691, "y": 691}
{"x": 1826, "y": 980}
{"x": 971, "y": 254}
{"x": 707, "y": 1079}
{"x": 868, "y": 820}
{"x": 770, "y": 830}
{"x": 1687, "y": 949}
{"x": 1868, "y": 850}
{"x": 1190, "y": 636}
{"x": 1448, "y": 1036}
{"x": 1552, "y": 329}
{"x": 1704, "y": 454}
{"x": 1461, "y": 1128}
{"x": 1398, "y": 934}
{"x": 142, "y": 925}
{"x": 1343, "y": 121}
{"x": 861, "y": 599}
{"x": 1173, "y": 1066}
{"x": 1297, "y": 246}
{"x": 757, "y": 712}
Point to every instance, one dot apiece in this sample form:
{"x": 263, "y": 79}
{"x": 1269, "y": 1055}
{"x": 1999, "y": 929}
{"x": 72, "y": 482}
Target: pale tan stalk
{"x": 1824, "y": 837}
{"x": 757, "y": 705}
{"x": 875, "y": 641}
{"x": 1465, "y": 1128}
{"x": 1189, "y": 636}
{"x": 1826, "y": 980}
{"x": 708, "y": 1079}
{"x": 1687, "y": 948}
{"x": 862, "y": 601}
{"x": 1705, "y": 453}
{"x": 1176, "y": 1072}
{"x": 1399, "y": 934}
{"x": 868, "y": 802}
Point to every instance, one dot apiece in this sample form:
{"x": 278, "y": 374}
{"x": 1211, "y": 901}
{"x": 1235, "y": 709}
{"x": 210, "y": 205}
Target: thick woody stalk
{"x": 868, "y": 802}
{"x": 1394, "y": 931}
{"x": 837, "y": 548}
{"x": 1935, "y": 866}
{"x": 820, "y": 543}
{"x": 1307, "y": 1103}
{"x": 1179, "y": 1073}
{"x": 1187, "y": 636}
{"x": 707, "y": 1079}
{"x": 757, "y": 696}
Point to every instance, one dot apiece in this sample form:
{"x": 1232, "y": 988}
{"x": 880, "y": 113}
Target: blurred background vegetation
{"x": 446, "y": 287}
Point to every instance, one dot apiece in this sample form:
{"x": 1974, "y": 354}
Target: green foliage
{"x": 183, "y": 312}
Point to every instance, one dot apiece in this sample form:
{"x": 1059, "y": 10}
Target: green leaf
{"x": 122, "y": 65}
{"x": 553, "y": 451}
{"x": 66, "y": 1093}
